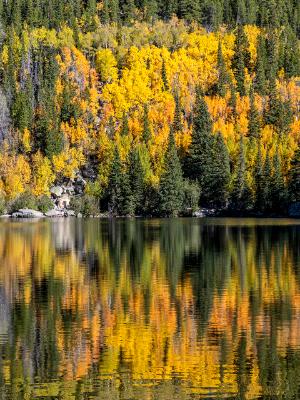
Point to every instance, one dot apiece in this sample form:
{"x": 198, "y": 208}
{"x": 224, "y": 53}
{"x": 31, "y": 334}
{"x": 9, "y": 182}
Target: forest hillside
{"x": 150, "y": 107}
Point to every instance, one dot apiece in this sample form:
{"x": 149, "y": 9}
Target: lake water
{"x": 150, "y": 309}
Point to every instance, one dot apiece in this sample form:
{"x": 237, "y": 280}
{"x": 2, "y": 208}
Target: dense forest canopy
{"x": 210, "y": 13}
{"x": 164, "y": 104}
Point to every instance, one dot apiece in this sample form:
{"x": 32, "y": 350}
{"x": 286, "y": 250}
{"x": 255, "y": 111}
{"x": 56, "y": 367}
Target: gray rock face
{"x": 27, "y": 213}
{"x": 294, "y": 210}
{"x": 54, "y": 213}
{"x": 56, "y": 191}
{"x": 64, "y": 201}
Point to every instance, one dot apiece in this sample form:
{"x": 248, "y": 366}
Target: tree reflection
{"x": 149, "y": 309}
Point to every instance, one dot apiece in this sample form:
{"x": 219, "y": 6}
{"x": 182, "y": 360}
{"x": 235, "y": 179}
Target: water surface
{"x": 150, "y": 309}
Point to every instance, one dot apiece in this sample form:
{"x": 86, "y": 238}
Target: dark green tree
{"x": 165, "y": 81}
{"x": 291, "y": 56}
{"x": 115, "y": 192}
{"x": 124, "y": 126}
{"x": 127, "y": 205}
{"x": 199, "y": 162}
{"x": 294, "y": 177}
{"x": 278, "y": 112}
{"x": 177, "y": 121}
{"x": 171, "y": 184}
{"x": 240, "y": 59}
{"x": 253, "y": 118}
{"x": 241, "y": 196}
{"x": 220, "y": 176}
{"x": 146, "y": 126}
{"x": 136, "y": 174}
{"x": 128, "y": 11}
{"x": 260, "y": 83}
{"x": 232, "y": 101}
{"x": 278, "y": 189}
{"x": 259, "y": 181}
{"x": 267, "y": 184}
{"x": 189, "y": 10}
{"x": 200, "y": 150}
{"x": 222, "y": 73}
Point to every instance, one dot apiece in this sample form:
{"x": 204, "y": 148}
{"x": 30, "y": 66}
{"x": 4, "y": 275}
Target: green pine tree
{"x": 259, "y": 181}
{"x": 171, "y": 184}
{"x": 136, "y": 181}
{"x": 220, "y": 177}
{"x": 232, "y": 101}
{"x": 177, "y": 121}
{"x": 260, "y": 83}
{"x": 294, "y": 177}
{"x": 115, "y": 192}
{"x": 165, "y": 81}
{"x": 126, "y": 206}
{"x": 241, "y": 59}
{"x": 222, "y": 73}
{"x": 253, "y": 118}
{"x": 241, "y": 196}
{"x": 200, "y": 159}
{"x": 124, "y": 126}
{"x": 278, "y": 190}
{"x": 267, "y": 184}
{"x": 146, "y": 126}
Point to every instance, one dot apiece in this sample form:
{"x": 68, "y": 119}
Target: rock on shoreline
{"x": 27, "y": 213}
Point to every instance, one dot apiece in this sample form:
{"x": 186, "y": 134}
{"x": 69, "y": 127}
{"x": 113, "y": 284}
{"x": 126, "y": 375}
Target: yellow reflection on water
{"x": 159, "y": 309}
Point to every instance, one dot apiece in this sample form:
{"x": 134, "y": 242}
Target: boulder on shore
{"x": 54, "y": 213}
{"x": 204, "y": 212}
{"x": 27, "y": 213}
{"x": 70, "y": 213}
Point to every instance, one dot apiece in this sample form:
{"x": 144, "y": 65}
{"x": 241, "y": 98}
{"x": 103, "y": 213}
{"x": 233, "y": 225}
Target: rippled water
{"x": 150, "y": 309}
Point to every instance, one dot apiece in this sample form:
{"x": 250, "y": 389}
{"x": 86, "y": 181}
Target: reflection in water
{"x": 157, "y": 309}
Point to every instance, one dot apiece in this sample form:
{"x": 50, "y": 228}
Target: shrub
{"x": 2, "y": 205}
{"x": 86, "y": 205}
{"x": 191, "y": 195}
{"x": 44, "y": 203}
{"x": 24, "y": 200}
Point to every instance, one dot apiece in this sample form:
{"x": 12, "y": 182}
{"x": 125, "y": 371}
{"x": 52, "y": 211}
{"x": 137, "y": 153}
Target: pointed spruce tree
{"x": 278, "y": 189}
{"x": 200, "y": 159}
{"x": 240, "y": 59}
{"x": 232, "y": 101}
{"x": 267, "y": 184}
{"x": 177, "y": 120}
{"x": 222, "y": 73}
{"x": 241, "y": 196}
{"x": 260, "y": 83}
{"x": 126, "y": 207}
{"x": 124, "y": 127}
{"x": 164, "y": 76}
{"x": 136, "y": 174}
{"x": 146, "y": 136}
{"x": 294, "y": 177}
{"x": 253, "y": 118}
{"x": 171, "y": 183}
{"x": 115, "y": 192}
{"x": 259, "y": 181}
{"x": 220, "y": 177}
